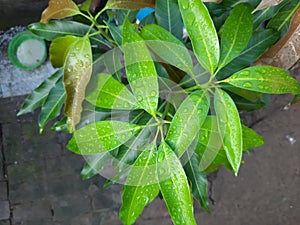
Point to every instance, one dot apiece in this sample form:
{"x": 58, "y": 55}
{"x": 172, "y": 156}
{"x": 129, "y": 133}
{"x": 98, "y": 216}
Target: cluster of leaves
{"x": 158, "y": 104}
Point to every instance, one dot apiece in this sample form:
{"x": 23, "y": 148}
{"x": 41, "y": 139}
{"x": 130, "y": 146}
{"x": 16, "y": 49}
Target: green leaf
{"x": 266, "y": 14}
{"x": 198, "y": 180}
{"x": 174, "y": 186}
{"x": 101, "y": 137}
{"x": 149, "y": 19}
{"x": 258, "y": 44}
{"x": 116, "y": 33}
{"x": 249, "y": 95}
{"x": 59, "y": 28}
{"x": 202, "y": 33}
{"x": 85, "y": 6}
{"x": 246, "y": 105}
{"x": 187, "y": 121}
{"x": 38, "y": 96}
{"x": 168, "y": 16}
{"x": 58, "y": 9}
{"x": 229, "y": 125}
{"x": 232, "y": 3}
{"x": 265, "y": 79}
{"x": 129, "y": 4}
{"x": 168, "y": 47}
{"x": 251, "y": 139}
{"x": 110, "y": 93}
{"x": 281, "y": 21}
{"x": 61, "y": 125}
{"x": 52, "y": 105}
{"x": 93, "y": 165}
{"x": 140, "y": 69}
{"x": 77, "y": 73}
{"x": 141, "y": 187}
{"x": 235, "y": 33}
{"x": 59, "y": 49}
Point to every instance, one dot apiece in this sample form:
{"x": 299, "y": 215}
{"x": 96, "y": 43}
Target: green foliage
{"x": 159, "y": 107}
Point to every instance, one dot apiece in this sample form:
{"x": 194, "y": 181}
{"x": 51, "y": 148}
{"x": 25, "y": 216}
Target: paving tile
{"x": 4, "y": 222}
{"x": 4, "y": 210}
{"x": 3, "y": 190}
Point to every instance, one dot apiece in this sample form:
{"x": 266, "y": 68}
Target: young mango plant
{"x": 152, "y": 107}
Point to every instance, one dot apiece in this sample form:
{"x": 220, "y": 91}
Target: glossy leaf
{"x": 52, "y": 105}
{"x": 202, "y": 33}
{"x": 59, "y": 28}
{"x": 59, "y": 49}
{"x": 265, "y": 79}
{"x": 140, "y": 69}
{"x": 58, "y": 9}
{"x": 174, "y": 187}
{"x": 140, "y": 188}
{"x": 281, "y": 20}
{"x": 187, "y": 121}
{"x": 110, "y": 93}
{"x": 130, "y": 4}
{"x": 229, "y": 125}
{"x": 101, "y": 137}
{"x": 38, "y": 96}
{"x": 198, "y": 180}
{"x": 168, "y": 16}
{"x": 249, "y": 95}
{"x": 235, "y": 33}
{"x": 61, "y": 125}
{"x": 246, "y": 105}
{"x": 232, "y": 3}
{"x": 251, "y": 139}
{"x": 266, "y": 4}
{"x": 258, "y": 44}
{"x": 93, "y": 165}
{"x": 116, "y": 33}
{"x": 85, "y": 6}
{"x": 168, "y": 47}
{"x": 77, "y": 73}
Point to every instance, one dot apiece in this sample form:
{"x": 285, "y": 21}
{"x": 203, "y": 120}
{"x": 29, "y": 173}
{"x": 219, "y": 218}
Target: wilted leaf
{"x": 202, "y": 33}
{"x": 286, "y": 52}
{"x": 140, "y": 69}
{"x": 187, "y": 121}
{"x": 267, "y": 3}
{"x": 130, "y": 4}
{"x": 77, "y": 73}
{"x": 174, "y": 186}
{"x": 59, "y": 49}
{"x": 58, "y": 9}
{"x": 110, "y": 93}
{"x": 141, "y": 186}
{"x": 229, "y": 128}
{"x": 265, "y": 79}
{"x": 53, "y": 104}
{"x": 101, "y": 137}
{"x": 39, "y": 95}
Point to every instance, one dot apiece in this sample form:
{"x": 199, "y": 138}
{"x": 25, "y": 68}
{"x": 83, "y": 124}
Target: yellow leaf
{"x": 58, "y": 9}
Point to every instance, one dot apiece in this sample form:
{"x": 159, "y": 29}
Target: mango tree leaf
{"x": 281, "y": 21}
{"x": 59, "y": 49}
{"x": 258, "y": 44}
{"x": 61, "y": 125}
{"x": 149, "y": 19}
{"x": 236, "y": 33}
{"x": 141, "y": 187}
{"x": 246, "y": 105}
{"x": 116, "y": 33}
{"x": 229, "y": 125}
{"x": 58, "y": 9}
{"x": 251, "y": 139}
{"x": 198, "y": 180}
{"x": 187, "y": 121}
{"x": 168, "y": 47}
{"x": 168, "y": 16}
{"x": 77, "y": 73}
{"x": 38, "y": 96}
{"x": 101, "y": 137}
{"x": 202, "y": 33}
{"x": 265, "y": 79}
{"x": 266, "y": 14}
{"x": 85, "y": 6}
{"x": 267, "y": 3}
{"x": 130, "y": 4}
{"x": 110, "y": 93}
{"x": 140, "y": 69}
{"x": 59, "y": 28}
{"x": 246, "y": 94}
{"x": 232, "y": 3}
{"x": 52, "y": 105}
{"x": 174, "y": 187}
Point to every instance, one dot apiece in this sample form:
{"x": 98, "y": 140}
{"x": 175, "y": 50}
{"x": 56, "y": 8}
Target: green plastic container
{"x": 27, "y": 51}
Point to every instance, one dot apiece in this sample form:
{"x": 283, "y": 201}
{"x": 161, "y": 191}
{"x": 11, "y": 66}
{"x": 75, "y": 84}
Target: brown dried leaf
{"x": 286, "y": 52}
{"x": 58, "y": 9}
{"x": 267, "y": 3}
